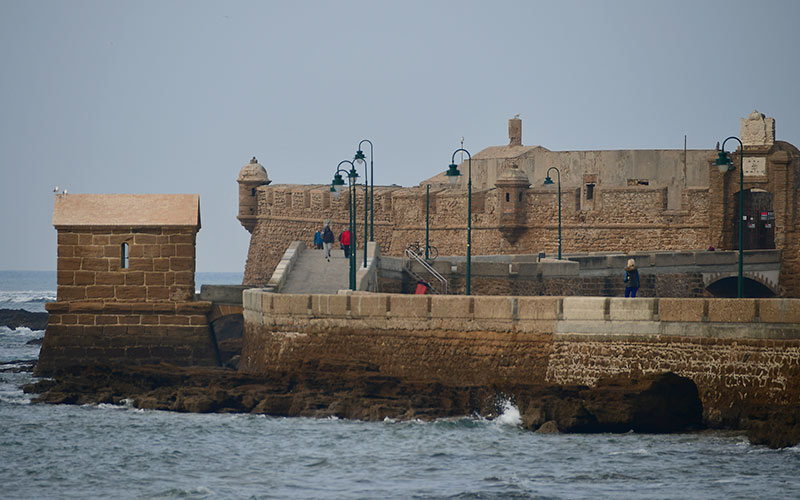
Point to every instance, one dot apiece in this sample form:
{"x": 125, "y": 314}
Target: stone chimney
{"x": 515, "y": 131}
{"x": 755, "y": 130}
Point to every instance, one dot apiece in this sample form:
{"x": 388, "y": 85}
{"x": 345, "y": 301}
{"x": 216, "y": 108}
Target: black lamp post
{"x": 725, "y": 164}
{"x": 427, "y": 218}
{"x": 369, "y": 191}
{"x": 549, "y": 182}
{"x": 453, "y": 173}
{"x": 336, "y": 186}
{"x": 359, "y": 158}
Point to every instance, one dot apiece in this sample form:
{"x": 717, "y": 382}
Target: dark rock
{"x": 15, "y": 318}
{"x": 774, "y": 426}
{"x": 656, "y": 403}
{"x": 18, "y": 366}
{"x": 653, "y": 403}
{"x": 549, "y": 427}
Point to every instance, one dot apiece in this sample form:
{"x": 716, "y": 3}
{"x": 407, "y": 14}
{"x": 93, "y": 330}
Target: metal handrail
{"x": 412, "y": 255}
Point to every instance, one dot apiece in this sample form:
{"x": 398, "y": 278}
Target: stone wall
{"x": 622, "y": 219}
{"x": 161, "y": 264}
{"x": 737, "y": 351}
{"x": 81, "y": 333}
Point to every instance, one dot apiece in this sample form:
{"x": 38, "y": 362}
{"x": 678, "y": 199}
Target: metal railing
{"x": 410, "y": 257}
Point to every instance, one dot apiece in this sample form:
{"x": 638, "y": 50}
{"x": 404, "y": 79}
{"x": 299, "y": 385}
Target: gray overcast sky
{"x": 176, "y": 96}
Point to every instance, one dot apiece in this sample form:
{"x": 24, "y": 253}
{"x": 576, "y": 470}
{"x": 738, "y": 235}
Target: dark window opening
{"x": 253, "y": 192}
{"x": 507, "y": 197}
{"x": 590, "y": 191}
{"x": 125, "y": 256}
{"x": 643, "y": 183}
{"x": 520, "y": 196}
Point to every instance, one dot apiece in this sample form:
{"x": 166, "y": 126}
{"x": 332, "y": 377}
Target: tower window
{"x": 590, "y": 191}
{"x": 253, "y": 192}
{"x": 124, "y": 256}
{"x": 520, "y": 196}
{"x": 507, "y": 197}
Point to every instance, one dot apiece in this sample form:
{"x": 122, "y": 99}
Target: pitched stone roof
{"x": 129, "y": 210}
{"x": 503, "y": 152}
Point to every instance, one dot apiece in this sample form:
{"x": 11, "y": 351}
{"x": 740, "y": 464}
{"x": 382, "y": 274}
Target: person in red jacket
{"x": 344, "y": 239}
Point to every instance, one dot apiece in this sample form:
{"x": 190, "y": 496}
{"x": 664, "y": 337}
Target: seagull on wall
{"x": 55, "y": 189}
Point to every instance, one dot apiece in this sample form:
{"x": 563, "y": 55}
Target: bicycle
{"x": 415, "y": 247}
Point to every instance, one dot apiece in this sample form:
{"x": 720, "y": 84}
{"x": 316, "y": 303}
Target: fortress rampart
{"x": 612, "y": 201}
{"x": 623, "y": 220}
{"x": 740, "y": 353}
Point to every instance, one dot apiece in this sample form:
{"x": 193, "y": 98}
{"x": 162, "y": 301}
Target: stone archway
{"x": 759, "y": 229}
{"x": 727, "y": 287}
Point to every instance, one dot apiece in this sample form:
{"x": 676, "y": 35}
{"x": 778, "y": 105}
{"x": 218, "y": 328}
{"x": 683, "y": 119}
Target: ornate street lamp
{"x": 336, "y": 187}
{"x": 725, "y": 164}
{"x": 360, "y": 159}
{"x": 548, "y": 182}
{"x": 452, "y": 174}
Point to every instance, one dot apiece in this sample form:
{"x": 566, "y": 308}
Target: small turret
{"x": 251, "y": 176}
{"x": 512, "y": 188}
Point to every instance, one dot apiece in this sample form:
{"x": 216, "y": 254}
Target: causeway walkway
{"x": 312, "y": 273}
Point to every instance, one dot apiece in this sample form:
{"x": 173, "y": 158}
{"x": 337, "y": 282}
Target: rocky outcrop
{"x": 658, "y": 403}
{"x": 15, "y": 318}
{"x": 774, "y": 426}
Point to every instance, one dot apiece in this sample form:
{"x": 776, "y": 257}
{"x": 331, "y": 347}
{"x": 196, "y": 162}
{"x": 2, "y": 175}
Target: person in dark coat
{"x": 327, "y": 241}
{"x": 631, "y": 279}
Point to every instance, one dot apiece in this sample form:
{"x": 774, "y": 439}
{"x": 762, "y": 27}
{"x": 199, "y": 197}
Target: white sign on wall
{"x": 755, "y": 167}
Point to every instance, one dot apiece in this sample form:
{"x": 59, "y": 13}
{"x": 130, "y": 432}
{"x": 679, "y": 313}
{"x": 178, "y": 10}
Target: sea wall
{"x": 739, "y": 352}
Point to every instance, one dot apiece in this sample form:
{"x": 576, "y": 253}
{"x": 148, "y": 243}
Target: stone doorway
{"x": 759, "y": 215}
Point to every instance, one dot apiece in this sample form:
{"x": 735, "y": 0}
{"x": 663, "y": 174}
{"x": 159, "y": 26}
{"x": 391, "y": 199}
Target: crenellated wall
{"x": 739, "y": 352}
{"x": 622, "y": 219}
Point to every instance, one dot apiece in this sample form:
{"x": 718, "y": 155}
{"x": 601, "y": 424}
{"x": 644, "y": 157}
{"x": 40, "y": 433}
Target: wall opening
{"x": 507, "y": 197}
{"x": 124, "y": 255}
{"x": 729, "y": 288}
{"x": 759, "y": 220}
{"x": 590, "y": 191}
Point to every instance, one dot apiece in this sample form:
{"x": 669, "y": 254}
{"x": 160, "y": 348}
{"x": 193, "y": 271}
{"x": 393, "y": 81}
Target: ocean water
{"x": 107, "y": 451}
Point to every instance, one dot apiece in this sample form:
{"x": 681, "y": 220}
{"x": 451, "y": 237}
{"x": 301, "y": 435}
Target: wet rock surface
{"x": 657, "y": 403}
{"x": 15, "y": 318}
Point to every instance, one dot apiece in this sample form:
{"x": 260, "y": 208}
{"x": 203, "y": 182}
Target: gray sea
{"x": 107, "y": 451}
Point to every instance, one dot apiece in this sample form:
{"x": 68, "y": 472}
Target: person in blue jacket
{"x": 631, "y": 279}
{"x": 318, "y": 239}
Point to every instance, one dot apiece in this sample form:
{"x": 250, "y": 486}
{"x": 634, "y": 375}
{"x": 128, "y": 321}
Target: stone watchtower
{"x": 251, "y": 176}
{"x": 126, "y": 286}
{"x": 512, "y": 188}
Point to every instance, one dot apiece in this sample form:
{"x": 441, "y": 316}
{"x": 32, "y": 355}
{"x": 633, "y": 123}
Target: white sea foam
{"x": 509, "y": 414}
{"x": 21, "y": 296}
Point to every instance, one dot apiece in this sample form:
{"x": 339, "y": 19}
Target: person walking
{"x": 631, "y": 279}
{"x": 327, "y": 241}
{"x": 318, "y": 240}
{"x": 344, "y": 239}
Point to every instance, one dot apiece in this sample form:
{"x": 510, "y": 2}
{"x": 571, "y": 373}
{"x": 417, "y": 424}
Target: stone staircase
{"x": 312, "y": 273}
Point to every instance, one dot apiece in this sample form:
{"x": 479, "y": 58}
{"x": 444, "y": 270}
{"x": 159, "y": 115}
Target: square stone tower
{"x": 125, "y": 293}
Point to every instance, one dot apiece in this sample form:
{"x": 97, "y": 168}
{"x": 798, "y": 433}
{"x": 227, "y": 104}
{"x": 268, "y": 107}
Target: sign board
{"x": 755, "y": 167}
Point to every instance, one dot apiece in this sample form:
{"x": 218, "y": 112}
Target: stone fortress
{"x": 126, "y": 290}
{"x": 617, "y": 201}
